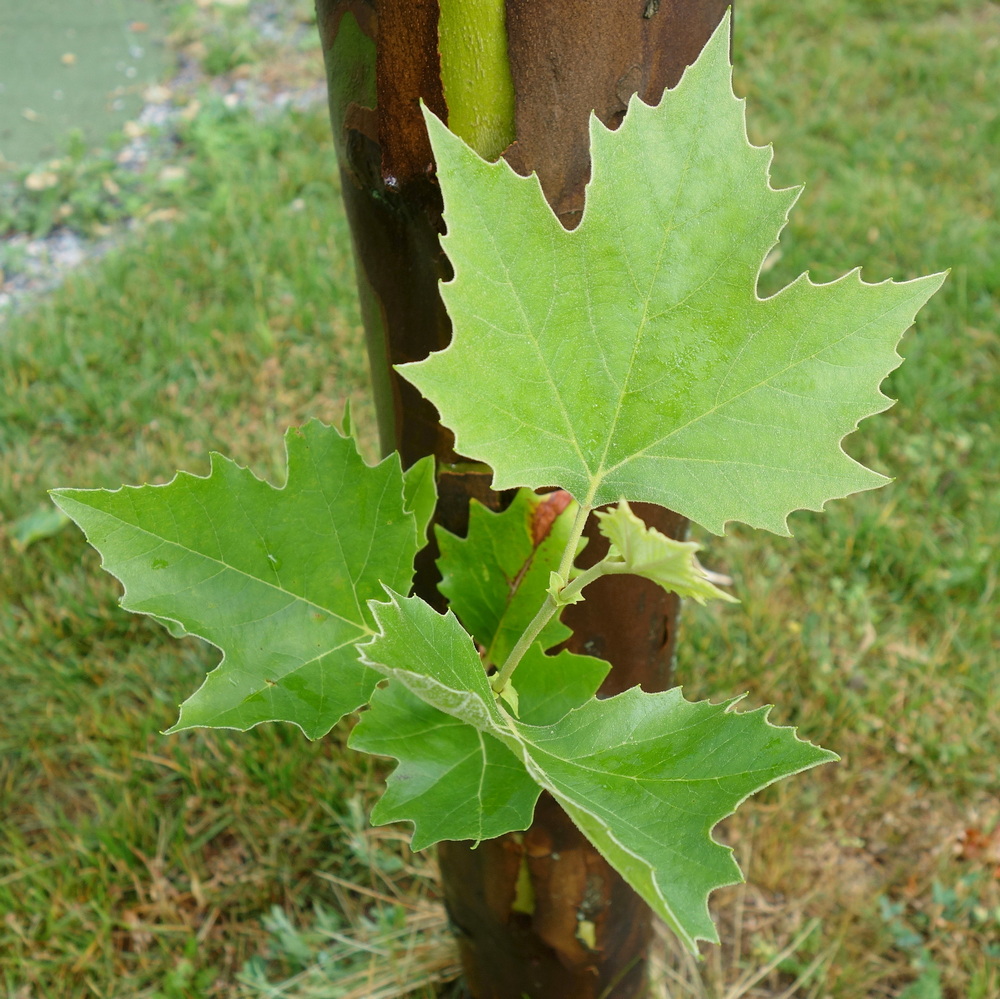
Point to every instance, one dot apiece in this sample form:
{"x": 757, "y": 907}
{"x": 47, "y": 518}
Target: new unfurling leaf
{"x": 646, "y": 552}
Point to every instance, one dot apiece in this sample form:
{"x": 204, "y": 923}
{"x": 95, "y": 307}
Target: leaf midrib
{"x": 669, "y": 229}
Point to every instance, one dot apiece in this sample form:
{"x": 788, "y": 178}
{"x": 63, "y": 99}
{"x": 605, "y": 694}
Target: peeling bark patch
{"x": 546, "y": 513}
{"x": 407, "y": 71}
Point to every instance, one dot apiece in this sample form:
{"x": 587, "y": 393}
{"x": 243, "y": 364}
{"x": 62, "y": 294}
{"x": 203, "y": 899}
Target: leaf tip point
{"x": 375, "y": 605}
{"x": 60, "y": 495}
{"x": 729, "y": 707}
{"x": 430, "y": 118}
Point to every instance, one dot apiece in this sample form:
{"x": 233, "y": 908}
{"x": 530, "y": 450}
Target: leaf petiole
{"x": 576, "y": 532}
{"x": 608, "y": 565}
{"x": 549, "y": 607}
{"x": 539, "y": 621}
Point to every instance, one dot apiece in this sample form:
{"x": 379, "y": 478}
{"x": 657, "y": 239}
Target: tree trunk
{"x": 540, "y": 913}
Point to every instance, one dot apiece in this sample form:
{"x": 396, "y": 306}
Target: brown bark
{"x": 570, "y": 57}
{"x": 581, "y": 933}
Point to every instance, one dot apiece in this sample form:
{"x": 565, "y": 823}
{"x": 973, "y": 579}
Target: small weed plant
{"x": 628, "y": 360}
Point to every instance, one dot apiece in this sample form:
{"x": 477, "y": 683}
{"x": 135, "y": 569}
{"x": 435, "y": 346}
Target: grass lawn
{"x": 212, "y": 863}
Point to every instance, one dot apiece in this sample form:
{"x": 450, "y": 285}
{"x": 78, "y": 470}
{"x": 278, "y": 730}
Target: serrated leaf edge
{"x": 60, "y": 494}
{"x": 509, "y": 731}
{"x": 717, "y": 47}
{"x": 658, "y": 901}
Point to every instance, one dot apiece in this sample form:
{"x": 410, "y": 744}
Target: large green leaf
{"x": 645, "y": 776}
{"x": 495, "y": 578}
{"x": 278, "y": 579}
{"x": 454, "y": 781}
{"x": 647, "y": 368}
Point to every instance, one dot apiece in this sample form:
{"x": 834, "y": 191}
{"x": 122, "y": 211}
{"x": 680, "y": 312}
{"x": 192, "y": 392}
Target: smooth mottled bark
{"x": 539, "y": 913}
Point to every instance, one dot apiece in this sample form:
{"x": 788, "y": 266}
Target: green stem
{"x": 576, "y": 532}
{"x": 549, "y": 607}
{"x": 539, "y": 621}
{"x": 606, "y": 567}
{"x": 567, "y": 594}
{"x": 475, "y": 73}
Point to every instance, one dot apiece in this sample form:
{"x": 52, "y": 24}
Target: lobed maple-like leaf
{"x": 645, "y": 776}
{"x": 647, "y": 367}
{"x": 278, "y": 579}
{"x": 453, "y": 781}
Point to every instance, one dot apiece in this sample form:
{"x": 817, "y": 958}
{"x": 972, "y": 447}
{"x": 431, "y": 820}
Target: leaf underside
{"x": 648, "y": 367}
{"x": 278, "y": 579}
